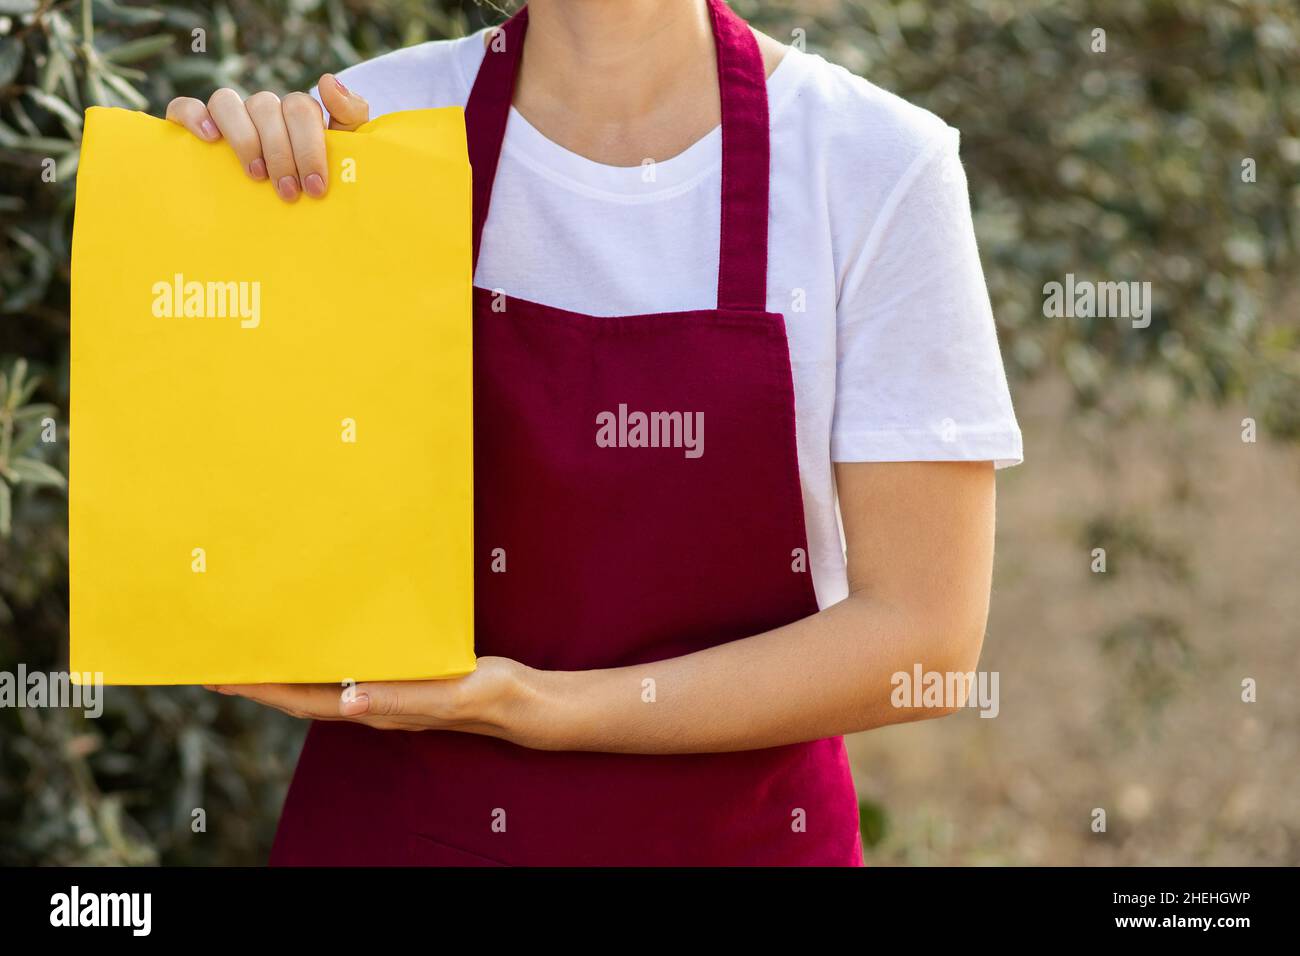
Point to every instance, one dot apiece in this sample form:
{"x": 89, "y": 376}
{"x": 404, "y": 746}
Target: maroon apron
{"x": 619, "y": 551}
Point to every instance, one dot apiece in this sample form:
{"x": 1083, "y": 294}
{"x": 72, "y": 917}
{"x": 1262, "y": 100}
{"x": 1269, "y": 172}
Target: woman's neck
{"x": 619, "y": 81}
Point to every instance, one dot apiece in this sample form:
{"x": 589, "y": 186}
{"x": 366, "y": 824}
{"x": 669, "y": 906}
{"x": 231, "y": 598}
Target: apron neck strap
{"x": 742, "y": 85}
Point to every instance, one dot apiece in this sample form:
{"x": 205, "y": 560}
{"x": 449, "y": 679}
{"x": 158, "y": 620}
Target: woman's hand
{"x": 919, "y": 537}
{"x": 282, "y": 141}
{"x": 480, "y": 702}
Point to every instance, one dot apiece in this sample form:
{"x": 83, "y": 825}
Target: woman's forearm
{"x": 827, "y": 674}
{"x": 918, "y": 574}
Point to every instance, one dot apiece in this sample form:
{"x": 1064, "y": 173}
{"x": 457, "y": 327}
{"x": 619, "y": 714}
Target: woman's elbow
{"x": 941, "y": 677}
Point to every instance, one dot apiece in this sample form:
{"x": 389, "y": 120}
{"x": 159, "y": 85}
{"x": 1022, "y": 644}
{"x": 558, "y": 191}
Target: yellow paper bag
{"x": 271, "y": 443}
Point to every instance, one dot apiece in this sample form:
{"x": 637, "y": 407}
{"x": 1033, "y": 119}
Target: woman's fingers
{"x": 193, "y": 115}
{"x": 408, "y": 705}
{"x": 277, "y": 150}
{"x": 313, "y": 701}
{"x": 347, "y": 109}
{"x": 226, "y": 108}
{"x": 316, "y": 702}
{"x": 388, "y": 705}
{"x": 302, "y": 117}
{"x": 280, "y": 141}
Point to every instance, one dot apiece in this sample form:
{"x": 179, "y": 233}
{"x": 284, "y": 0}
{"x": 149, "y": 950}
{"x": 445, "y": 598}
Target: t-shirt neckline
{"x": 652, "y": 182}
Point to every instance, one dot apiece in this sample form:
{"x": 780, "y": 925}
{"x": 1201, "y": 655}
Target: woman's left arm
{"x": 919, "y": 539}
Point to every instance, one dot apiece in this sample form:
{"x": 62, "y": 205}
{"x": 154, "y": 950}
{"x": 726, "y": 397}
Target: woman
{"x": 672, "y": 639}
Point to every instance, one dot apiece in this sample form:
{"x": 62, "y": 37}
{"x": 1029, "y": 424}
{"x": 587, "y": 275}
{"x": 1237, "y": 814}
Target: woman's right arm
{"x": 280, "y": 141}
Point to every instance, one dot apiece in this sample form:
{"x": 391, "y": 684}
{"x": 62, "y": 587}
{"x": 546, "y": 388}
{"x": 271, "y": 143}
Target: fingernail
{"x": 342, "y": 89}
{"x": 257, "y": 168}
{"x": 355, "y": 705}
{"x": 209, "y": 129}
{"x": 314, "y": 185}
{"x": 287, "y": 187}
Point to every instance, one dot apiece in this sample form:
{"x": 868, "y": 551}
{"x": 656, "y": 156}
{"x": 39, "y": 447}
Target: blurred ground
{"x": 1120, "y": 691}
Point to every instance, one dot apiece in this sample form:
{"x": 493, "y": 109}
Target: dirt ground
{"x": 1120, "y": 691}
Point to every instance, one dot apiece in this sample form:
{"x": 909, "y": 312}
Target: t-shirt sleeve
{"x": 919, "y": 373}
{"x": 427, "y": 75}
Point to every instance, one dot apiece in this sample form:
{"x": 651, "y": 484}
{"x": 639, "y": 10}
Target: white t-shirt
{"x": 871, "y": 260}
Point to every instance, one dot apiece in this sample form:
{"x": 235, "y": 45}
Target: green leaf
{"x": 26, "y": 122}
{"x": 114, "y": 12}
{"x": 56, "y": 67}
{"x": 140, "y": 49}
{"x": 26, "y": 439}
{"x": 40, "y": 144}
{"x": 11, "y": 59}
{"x": 70, "y": 117}
{"x": 67, "y": 165}
{"x": 24, "y": 386}
{"x": 25, "y": 393}
{"x": 12, "y": 399}
{"x": 126, "y": 91}
{"x": 32, "y": 471}
{"x": 98, "y": 94}
{"x": 6, "y": 511}
{"x": 35, "y": 412}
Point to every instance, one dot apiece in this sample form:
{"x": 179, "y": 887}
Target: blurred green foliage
{"x": 22, "y": 423}
{"x": 1118, "y": 166}
{"x": 124, "y": 788}
{"x": 1123, "y": 165}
